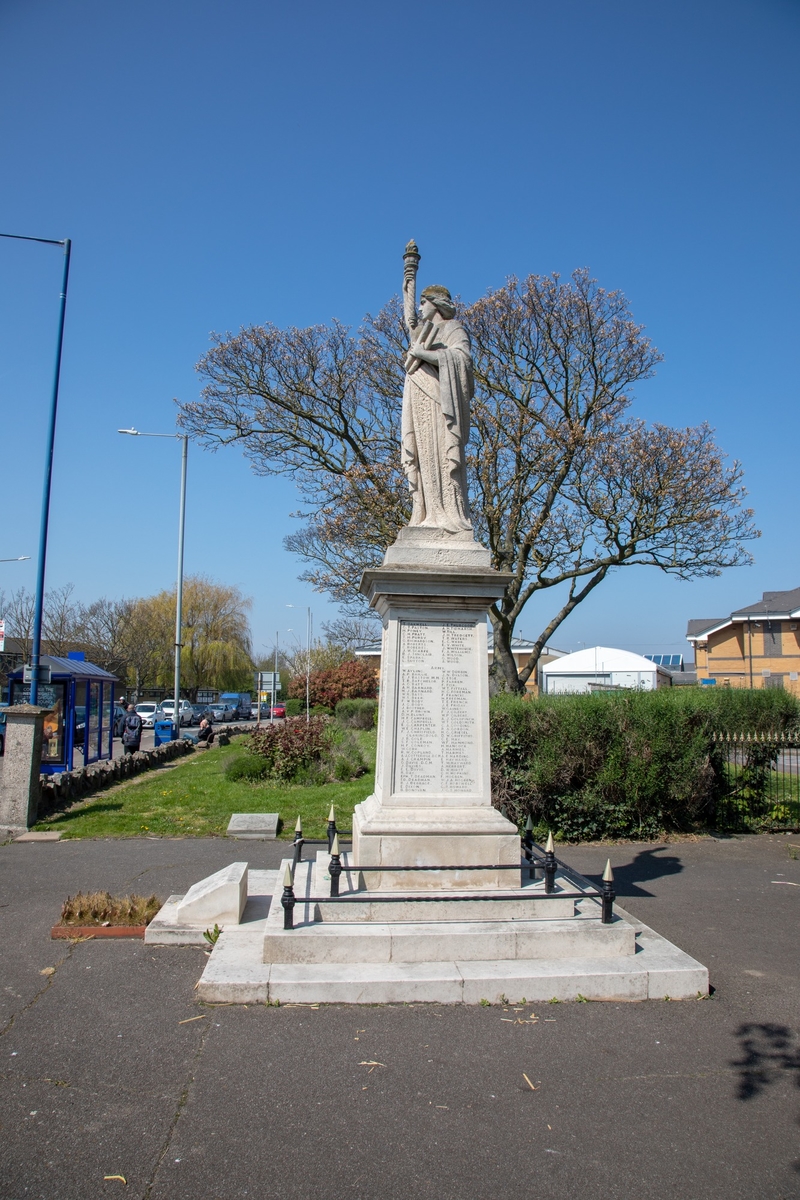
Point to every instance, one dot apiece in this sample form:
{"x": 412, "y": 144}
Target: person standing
{"x": 132, "y": 731}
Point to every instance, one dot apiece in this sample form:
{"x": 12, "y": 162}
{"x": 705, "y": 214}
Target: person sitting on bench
{"x": 205, "y": 737}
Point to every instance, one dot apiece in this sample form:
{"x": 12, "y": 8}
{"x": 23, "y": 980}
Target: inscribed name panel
{"x": 438, "y": 739}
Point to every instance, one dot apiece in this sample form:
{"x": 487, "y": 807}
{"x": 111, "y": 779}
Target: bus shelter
{"x": 80, "y": 696}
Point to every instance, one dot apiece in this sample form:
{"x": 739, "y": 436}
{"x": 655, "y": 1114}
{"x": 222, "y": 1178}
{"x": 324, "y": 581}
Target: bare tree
{"x": 60, "y": 630}
{"x": 19, "y": 619}
{"x": 565, "y": 486}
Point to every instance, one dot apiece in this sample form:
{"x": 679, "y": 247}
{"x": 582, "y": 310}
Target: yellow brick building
{"x": 755, "y": 647}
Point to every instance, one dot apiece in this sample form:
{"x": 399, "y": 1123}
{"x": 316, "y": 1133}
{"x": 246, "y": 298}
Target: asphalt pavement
{"x": 112, "y": 1068}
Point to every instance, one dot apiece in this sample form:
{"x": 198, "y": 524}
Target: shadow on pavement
{"x": 644, "y": 866}
{"x": 767, "y": 1050}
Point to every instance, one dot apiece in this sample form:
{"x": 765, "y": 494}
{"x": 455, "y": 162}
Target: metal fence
{"x": 761, "y": 780}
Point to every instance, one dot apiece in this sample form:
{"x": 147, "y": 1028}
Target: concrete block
{"x": 221, "y": 897}
{"x": 49, "y": 835}
{"x": 170, "y": 928}
{"x": 257, "y": 826}
{"x": 564, "y": 979}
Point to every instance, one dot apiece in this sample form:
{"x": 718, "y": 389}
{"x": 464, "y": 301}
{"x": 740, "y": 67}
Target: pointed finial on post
{"x": 287, "y": 899}
{"x": 609, "y": 895}
{"x": 550, "y": 865}
{"x": 331, "y": 815}
{"x": 335, "y": 865}
{"x": 331, "y": 830}
{"x": 298, "y": 842}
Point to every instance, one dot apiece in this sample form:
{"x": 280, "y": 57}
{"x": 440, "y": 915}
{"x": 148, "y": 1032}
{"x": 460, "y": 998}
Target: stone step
{"x": 435, "y": 941}
{"x": 236, "y": 974}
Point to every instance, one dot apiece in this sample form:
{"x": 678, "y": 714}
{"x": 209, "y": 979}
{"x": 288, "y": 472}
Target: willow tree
{"x": 566, "y": 485}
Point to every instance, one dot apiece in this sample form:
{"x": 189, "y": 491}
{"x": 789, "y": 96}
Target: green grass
{"x": 194, "y": 799}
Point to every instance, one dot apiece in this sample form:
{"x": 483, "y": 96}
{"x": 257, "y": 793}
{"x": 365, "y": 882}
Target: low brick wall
{"x": 59, "y": 791}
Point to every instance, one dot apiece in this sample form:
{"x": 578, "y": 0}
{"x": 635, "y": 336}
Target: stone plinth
{"x": 20, "y": 767}
{"x": 220, "y": 897}
{"x": 432, "y": 800}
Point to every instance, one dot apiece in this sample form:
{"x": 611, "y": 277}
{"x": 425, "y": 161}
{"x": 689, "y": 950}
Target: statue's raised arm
{"x": 436, "y": 398}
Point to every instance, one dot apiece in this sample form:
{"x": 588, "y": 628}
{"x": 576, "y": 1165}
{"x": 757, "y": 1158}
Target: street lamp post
{"x": 308, "y": 659}
{"x": 179, "y": 596}
{"x": 48, "y": 469}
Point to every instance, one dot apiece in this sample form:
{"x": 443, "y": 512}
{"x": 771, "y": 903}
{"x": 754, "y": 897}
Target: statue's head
{"x": 441, "y": 300}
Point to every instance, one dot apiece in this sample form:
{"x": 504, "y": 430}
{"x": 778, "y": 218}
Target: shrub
{"x": 247, "y": 766}
{"x": 295, "y": 706}
{"x": 300, "y": 751}
{"x": 357, "y": 714}
{"x": 622, "y": 764}
{"x": 290, "y": 747}
{"x": 351, "y": 680}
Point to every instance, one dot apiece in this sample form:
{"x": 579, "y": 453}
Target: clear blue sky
{"x": 218, "y": 165}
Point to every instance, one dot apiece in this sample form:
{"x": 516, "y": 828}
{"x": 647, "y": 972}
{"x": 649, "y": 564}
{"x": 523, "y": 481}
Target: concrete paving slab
{"x": 253, "y": 826}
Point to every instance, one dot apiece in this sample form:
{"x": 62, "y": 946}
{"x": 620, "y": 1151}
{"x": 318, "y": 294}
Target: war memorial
{"x": 439, "y": 898}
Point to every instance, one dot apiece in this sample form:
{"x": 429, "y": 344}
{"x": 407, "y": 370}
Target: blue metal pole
{"x": 48, "y": 475}
{"x": 179, "y": 595}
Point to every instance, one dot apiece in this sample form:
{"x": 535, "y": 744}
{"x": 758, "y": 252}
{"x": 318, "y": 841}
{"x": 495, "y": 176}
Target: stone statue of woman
{"x": 438, "y": 388}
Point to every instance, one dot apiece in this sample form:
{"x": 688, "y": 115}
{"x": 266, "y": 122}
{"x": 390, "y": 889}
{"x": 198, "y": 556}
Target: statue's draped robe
{"x": 435, "y": 430}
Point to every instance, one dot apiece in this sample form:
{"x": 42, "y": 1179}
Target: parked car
{"x": 150, "y": 712}
{"x": 201, "y": 711}
{"x": 242, "y": 704}
{"x": 223, "y": 711}
{"x": 186, "y": 712}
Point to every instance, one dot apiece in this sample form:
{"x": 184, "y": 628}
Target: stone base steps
{"x": 236, "y": 974}
{"x": 440, "y": 941}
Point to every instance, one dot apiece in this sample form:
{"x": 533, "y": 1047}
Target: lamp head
{"x": 133, "y": 432}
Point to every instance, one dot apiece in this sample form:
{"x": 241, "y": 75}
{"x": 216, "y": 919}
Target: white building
{"x": 602, "y": 668}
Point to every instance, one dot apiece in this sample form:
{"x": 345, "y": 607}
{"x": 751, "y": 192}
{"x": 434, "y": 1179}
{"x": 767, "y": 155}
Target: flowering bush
{"x": 299, "y": 751}
{"x": 351, "y": 680}
{"x": 291, "y": 746}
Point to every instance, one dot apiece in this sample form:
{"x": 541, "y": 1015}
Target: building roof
{"x": 784, "y": 604}
{"x": 695, "y": 628}
{"x": 77, "y": 668}
{"x": 600, "y": 660}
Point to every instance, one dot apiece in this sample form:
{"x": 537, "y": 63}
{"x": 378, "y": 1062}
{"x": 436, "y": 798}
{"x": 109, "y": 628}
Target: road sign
{"x": 268, "y": 681}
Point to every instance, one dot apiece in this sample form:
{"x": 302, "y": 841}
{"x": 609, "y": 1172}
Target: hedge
{"x": 620, "y": 764}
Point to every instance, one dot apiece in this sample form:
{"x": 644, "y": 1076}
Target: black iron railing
{"x": 760, "y": 780}
{"x": 535, "y": 859}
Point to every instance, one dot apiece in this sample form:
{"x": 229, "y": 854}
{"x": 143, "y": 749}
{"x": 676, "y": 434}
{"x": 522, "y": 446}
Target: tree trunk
{"x": 503, "y": 675}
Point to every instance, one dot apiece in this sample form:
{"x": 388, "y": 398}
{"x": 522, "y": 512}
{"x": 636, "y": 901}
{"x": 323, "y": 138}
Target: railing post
{"x": 298, "y": 843}
{"x": 335, "y": 866}
{"x": 287, "y": 899}
{"x": 331, "y": 828}
{"x": 527, "y": 843}
{"x": 609, "y": 895}
{"x": 549, "y": 865}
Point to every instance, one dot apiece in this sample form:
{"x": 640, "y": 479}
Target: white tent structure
{"x": 602, "y": 668}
